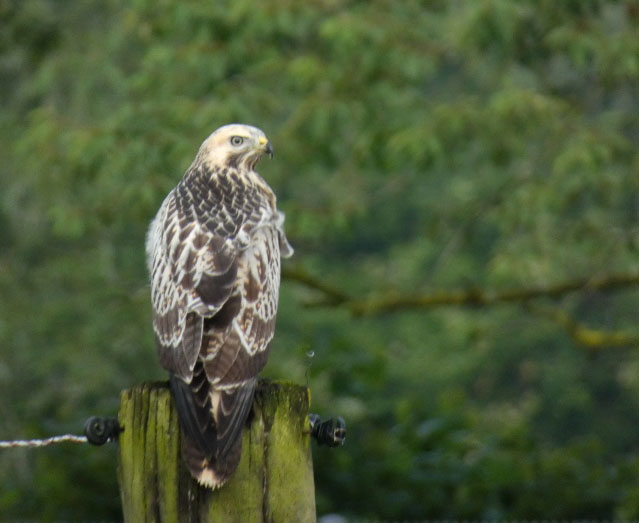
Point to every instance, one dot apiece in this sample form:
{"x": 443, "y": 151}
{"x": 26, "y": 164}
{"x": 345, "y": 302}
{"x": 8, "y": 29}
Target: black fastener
{"x": 100, "y": 430}
{"x": 331, "y": 432}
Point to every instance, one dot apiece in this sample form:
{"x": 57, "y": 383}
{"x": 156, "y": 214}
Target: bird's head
{"x": 235, "y": 145}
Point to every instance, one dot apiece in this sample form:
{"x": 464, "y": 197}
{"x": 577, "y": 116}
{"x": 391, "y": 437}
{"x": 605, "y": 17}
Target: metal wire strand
{"x": 42, "y": 442}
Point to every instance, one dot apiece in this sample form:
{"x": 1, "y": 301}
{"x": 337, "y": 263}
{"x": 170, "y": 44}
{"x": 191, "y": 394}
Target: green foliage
{"x": 419, "y": 146}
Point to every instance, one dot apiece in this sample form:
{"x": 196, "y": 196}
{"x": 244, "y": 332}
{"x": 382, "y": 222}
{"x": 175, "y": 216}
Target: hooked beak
{"x": 266, "y": 147}
{"x": 269, "y": 149}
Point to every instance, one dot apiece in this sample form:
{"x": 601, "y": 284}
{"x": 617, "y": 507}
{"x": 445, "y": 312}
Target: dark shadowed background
{"x": 461, "y": 185}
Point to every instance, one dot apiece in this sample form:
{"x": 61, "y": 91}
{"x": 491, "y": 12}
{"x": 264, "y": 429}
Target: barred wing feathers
{"x": 214, "y": 256}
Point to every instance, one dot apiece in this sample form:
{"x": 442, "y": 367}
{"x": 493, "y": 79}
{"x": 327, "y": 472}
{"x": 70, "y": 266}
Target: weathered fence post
{"x": 273, "y": 483}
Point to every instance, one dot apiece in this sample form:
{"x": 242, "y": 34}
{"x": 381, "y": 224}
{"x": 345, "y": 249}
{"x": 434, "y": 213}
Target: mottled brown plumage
{"x": 213, "y": 253}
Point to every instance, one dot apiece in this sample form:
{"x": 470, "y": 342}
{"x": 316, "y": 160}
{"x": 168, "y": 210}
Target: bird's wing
{"x": 214, "y": 292}
{"x": 193, "y": 272}
{"x": 237, "y": 339}
{"x": 215, "y": 275}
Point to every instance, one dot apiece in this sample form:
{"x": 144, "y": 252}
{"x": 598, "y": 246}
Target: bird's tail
{"x": 211, "y": 422}
{"x": 207, "y": 470}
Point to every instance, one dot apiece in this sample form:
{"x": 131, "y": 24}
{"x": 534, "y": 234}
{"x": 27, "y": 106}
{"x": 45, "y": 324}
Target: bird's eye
{"x": 236, "y": 140}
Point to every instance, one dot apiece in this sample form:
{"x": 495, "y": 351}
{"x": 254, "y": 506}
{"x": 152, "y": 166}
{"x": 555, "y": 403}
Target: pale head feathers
{"x": 234, "y": 145}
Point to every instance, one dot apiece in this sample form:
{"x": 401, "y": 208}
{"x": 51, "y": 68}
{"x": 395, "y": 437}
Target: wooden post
{"x": 273, "y": 483}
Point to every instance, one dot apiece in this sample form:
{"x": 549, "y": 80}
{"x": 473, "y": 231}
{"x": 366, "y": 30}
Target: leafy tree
{"x": 432, "y": 158}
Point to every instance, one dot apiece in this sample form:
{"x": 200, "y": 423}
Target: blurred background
{"x": 461, "y": 185}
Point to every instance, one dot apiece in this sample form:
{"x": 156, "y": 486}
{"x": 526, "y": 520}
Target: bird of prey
{"x": 213, "y": 253}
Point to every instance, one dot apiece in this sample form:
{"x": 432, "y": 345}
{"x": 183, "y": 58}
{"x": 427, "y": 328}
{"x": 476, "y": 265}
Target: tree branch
{"x": 332, "y": 295}
{"x": 583, "y": 335}
{"x": 394, "y": 301}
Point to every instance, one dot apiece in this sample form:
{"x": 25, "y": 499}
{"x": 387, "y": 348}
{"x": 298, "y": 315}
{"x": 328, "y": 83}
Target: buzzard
{"x": 213, "y": 254}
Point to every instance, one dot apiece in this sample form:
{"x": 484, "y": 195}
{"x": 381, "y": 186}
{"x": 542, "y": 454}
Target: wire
{"x": 42, "y": 442}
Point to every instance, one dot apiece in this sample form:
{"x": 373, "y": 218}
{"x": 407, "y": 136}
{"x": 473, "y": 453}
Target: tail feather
{"x": 211, "y": 421}
{"x": 234, "y": 406}
{"x": 194, "y": 416}
{"x": 206, "y": 469}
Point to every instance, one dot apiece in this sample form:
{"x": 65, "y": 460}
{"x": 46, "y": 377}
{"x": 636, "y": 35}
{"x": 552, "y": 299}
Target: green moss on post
{"x": 273, "y": 483}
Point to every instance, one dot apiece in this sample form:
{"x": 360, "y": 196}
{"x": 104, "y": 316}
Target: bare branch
{"x": 332, "y": 296}
{"x": 393, "y": 301}
{"x": 595, "y": 339}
